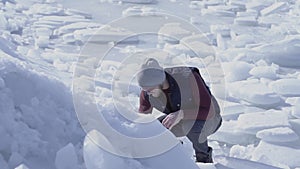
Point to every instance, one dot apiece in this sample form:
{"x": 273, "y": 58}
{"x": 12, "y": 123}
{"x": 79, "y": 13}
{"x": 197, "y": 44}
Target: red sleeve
{"x": 144, "y": 103}
{"x": 202, "y": 98}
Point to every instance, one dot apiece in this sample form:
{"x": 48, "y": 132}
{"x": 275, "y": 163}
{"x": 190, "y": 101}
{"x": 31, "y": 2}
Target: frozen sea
{"x": 68, "y": 95}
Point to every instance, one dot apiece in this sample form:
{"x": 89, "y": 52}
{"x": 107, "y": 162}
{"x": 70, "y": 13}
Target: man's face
{"x": 155, "y": 91}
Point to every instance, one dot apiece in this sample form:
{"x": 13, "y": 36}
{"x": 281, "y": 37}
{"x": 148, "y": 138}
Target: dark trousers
{"x": 196, "y": 131}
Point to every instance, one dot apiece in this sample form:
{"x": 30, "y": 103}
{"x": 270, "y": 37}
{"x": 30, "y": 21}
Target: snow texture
{"x": 257, "y": 81}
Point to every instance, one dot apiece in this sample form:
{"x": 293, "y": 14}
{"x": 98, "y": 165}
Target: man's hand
{"x": 172, "y": 119}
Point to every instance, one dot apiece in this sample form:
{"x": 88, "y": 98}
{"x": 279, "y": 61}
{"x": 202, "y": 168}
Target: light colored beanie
{"x": 151, "y": 74}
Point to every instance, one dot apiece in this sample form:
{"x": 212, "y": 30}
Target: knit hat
{"x": 151, "y": 74}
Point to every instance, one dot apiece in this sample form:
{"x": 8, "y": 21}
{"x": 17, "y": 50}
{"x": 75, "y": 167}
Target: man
{"x": 182, "y": 95}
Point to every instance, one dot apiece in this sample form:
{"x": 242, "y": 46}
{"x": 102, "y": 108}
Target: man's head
{"x": 151, "y": 74}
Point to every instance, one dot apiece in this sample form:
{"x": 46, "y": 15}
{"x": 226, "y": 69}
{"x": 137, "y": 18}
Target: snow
{"x": 248, "y": 51}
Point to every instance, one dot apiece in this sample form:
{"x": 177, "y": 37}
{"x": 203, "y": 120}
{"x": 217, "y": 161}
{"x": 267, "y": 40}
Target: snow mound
{"x": 97, "y": 158}
{"x": 37, "y": 113}
{"x": 286, "y": 87}
{"x": 254, "y": 122}
{"x": 280, "y": 134}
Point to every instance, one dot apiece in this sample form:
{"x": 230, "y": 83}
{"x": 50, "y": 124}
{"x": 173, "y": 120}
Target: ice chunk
{"x": 258, "y": 5}
{"x": 42, "y": 42}
{"x": 3, "y": 22}
{"x": 295, "y": 123}
{"x": 236, "y": 71}
{"x": 254, "y": 92}
{"x": 140, "y": 11}
{"x": 239, "y": 151}
{"x": 194, "y": 49}
{"x": 277, "y": 154}
{"x": 218, "y": 11}
{"x": 2, "y": 83}
{"x": 224, "y": 30}
{"x": 66, "y": 158}
{"x": 170, "y": 31}
{"x": 138, "y": 1}
{"x": 232, "y": 111}
{"x": 232, "y": 162}
{"x": 279, "y": 134}
{"x": 242, "y": 40}
{"x": 246, "y": 21}
{"x": 44, "y": 9}
{"x": 278, "y": 6}
{"x": 22, "y": 166}
{"x": 3, "y": 163}
{"x": 286, "y": 87}
{"x": 73, "y": 12}
{"x": 105, "y": 34}
{"x": 15, "y": 159}
{"x": 70, "y": 28}
{"x": 254, "y": 122}
{"x": 295, "y": 102}
{"x": 43, "y": 32}
{"x": 229, "y": 133}
{"x": 248, "y": 12}
{"x": 269, "y": 72}
{"x": 61, "y": 20}
{"x": 284, "y": 52}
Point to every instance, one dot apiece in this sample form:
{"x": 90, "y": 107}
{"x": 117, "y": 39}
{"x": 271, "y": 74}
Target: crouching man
{"x": 188, "y": 106}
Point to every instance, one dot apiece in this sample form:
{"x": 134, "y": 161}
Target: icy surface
{"x": 256, "y": 43}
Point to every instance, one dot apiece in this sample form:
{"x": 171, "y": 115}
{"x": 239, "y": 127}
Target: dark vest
{"x": 179, "y": 95}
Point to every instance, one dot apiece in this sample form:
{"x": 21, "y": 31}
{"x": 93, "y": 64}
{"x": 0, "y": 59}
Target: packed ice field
{"x": 248, "y": 51}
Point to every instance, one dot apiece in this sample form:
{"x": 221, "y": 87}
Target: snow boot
{"x": 205, "y": 157}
